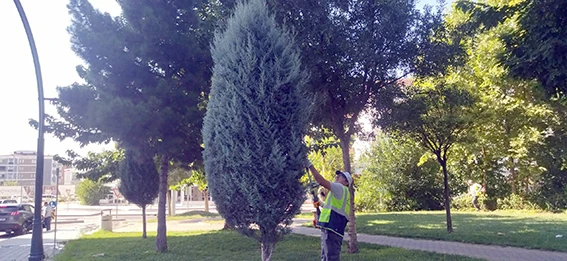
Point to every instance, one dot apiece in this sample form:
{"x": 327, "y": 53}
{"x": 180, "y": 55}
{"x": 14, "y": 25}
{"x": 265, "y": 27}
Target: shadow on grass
{"x": 220, "y": 245}
{"x": 531, "y": 230}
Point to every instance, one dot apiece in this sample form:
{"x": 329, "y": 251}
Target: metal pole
{"x": 36, "y": 251}
{"x": 56, "y": 207}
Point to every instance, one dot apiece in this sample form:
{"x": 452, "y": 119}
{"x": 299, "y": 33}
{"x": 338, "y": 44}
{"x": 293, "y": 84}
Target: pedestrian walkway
{"x": 18, "y": 249}
{"x": 487, "y": 252}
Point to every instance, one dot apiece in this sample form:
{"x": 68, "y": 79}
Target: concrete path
{"x": 492, "y": 253}
{"x": 18, "y": 248}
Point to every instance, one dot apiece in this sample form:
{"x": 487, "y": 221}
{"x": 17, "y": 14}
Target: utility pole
{"x": 36, "y": 250}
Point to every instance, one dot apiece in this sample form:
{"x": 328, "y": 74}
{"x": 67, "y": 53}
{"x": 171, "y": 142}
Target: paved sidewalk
{"x": 492, "y": 253}
{"x": 18, "y": 249}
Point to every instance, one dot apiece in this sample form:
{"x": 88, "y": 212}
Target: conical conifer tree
{"x": 139, "y": 181}
{"x": 255, "y": 124}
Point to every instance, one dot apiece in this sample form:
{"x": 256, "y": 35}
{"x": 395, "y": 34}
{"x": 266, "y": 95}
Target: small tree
{"x": 255, "y": 124}
{"x": 91, "y": 192}
{"x": 437, "y": 116}
{"x": 139, "y": 181}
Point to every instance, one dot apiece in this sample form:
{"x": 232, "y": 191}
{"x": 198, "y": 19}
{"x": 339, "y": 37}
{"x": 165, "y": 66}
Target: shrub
{"x": 516, "y": 202}
{"x": 90, "y": 192}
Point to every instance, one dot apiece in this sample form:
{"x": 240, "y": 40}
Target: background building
{"x": 19, "y": 169}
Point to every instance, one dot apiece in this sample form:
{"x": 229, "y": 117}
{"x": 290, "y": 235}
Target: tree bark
{"x": 353, "y": 240}
{"x": 206, "y": 192}
{"x": 446, "y": 193}
{"x": 161, "y": 238}
{"x": 169, "y": 202}
{"x": 226, "y": 226}
{"x": 144, "y": 235}
{"x": 513, "y": 181}
{"x": 267, "y": 250}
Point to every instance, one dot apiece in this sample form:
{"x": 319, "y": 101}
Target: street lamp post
{"x": 36, "y": 251}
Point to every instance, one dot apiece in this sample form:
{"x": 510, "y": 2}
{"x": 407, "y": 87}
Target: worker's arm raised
{"x": 318, "y": 178}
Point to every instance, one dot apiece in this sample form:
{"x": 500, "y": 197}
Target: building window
{"x": 21, "y": 161}
{"x": 10, "y": 161}
{"x": 10, "y": 168}
{"x": 34, "y": 161}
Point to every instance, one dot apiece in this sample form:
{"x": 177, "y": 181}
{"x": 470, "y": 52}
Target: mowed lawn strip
{"x": 513, "y": 228}
{"x": 221, "y": 245}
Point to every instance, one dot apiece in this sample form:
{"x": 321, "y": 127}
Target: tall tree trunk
{"x": 144, "y": 235}
{"x": 443, "y": 162}
{"x": 484, "y": 167}
{"x": 267, "y": 250}
{"x": 161, "y": 238}
{"x": 206, "y": 191}
{"x": 227, "y": 226}
{"x": 169, "y": 203}
{"x": 353, "y": 240}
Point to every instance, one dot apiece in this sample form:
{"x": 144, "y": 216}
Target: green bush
{"x": 516, "y": 202}
{"x": 398, "y": 177}
{"x": 90, "y": 192}
{"x": 464, "y": 202}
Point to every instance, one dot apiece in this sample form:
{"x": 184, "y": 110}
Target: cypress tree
{"x": 139, "y": 181}
{"x": 255, "y": 124}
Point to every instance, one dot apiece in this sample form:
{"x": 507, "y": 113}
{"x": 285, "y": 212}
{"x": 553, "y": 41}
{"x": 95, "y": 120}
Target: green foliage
{"x": 139, "y": 178}
{"x": 325, "y": 153}
{"x": 10, "y": 183}
{"x": 103, "y": 166}
{"x": 90, "y": 192}
{"x": 515, "y": 201}
{"x": 398, "y": 177}
{"x": 538, "y": 48}
{"x": 256, "y": 120}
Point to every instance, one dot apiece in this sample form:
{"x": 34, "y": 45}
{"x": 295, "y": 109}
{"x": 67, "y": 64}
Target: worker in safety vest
{"x": 334, "y": 215}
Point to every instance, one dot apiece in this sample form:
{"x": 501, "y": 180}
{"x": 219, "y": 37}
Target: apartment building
{"x": 19, "y": 168}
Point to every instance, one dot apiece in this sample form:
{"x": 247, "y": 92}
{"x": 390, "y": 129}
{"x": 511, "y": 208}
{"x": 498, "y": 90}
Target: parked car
{"x": 16, "y": 218}
{"x": 8, "y": 201}
{"x": 24, "y": 199}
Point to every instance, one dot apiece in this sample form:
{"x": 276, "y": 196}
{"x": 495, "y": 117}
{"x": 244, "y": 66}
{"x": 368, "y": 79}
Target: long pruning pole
{"x": 313, "y": 190}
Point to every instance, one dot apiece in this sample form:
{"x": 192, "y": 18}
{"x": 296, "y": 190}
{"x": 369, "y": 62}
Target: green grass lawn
{"x": 191, "y": 215}
{"x": 521, "y": 229}
{"x": 220, "y": 245}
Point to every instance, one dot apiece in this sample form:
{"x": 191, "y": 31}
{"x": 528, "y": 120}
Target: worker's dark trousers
{"x": 47, "y": 222}
{"x": 331, "y": 244}
{"x": 475, "y": 202}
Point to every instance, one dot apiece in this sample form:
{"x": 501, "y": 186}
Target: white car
{"x": 8, "y": 201}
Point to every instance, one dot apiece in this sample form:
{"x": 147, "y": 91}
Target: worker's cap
{"x": 346, "y": 175}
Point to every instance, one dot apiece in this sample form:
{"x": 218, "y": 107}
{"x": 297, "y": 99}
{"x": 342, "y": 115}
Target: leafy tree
{"x": 90, "y": 192}
{"x": 352, "y": 49}
{"x": 398, "y": 177}
{"x": 438, "y": 115}
{"x": 515, "y": 116}
{"x": 139, "y": 181}
{"x": 256, "y": 120}
{"x": 146, "y": 80}
{"x": 538, "y": 48}
{"x": 324, "y": 153}
{"x": 103, "y": 166}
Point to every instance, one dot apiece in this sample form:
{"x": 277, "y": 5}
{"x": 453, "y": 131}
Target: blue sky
{"x": 18, "y": 88}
